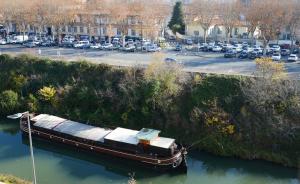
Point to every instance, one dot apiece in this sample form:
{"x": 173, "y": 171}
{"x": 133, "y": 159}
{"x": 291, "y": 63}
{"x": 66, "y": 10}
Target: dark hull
{"x": 175, "y": 163}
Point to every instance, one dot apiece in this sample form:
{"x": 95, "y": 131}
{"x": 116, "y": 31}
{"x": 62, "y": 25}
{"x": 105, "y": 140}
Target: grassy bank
{"x": 210, "y": 112}
{"x": 9, "y": 179}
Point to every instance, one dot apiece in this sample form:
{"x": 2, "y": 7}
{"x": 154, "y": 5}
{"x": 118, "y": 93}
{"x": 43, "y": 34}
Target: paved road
{"x": 200, "y": 62}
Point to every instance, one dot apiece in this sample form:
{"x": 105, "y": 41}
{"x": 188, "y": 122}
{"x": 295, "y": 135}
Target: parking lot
{"x": 205, "y": 62}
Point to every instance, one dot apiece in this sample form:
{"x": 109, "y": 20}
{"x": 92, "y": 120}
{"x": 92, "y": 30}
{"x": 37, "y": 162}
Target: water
{"x": 58, "y": 165}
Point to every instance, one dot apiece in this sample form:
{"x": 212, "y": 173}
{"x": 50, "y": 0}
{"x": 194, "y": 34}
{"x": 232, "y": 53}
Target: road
{"x": 203, "y": 62}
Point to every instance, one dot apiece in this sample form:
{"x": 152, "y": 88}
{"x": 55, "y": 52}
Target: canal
{"x": 59, "y": 165}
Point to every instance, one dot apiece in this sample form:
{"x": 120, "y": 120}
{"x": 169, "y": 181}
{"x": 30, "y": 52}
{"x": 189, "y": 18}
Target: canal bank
{"x": 57, "y": 164}
{"x": 209, "y": 112}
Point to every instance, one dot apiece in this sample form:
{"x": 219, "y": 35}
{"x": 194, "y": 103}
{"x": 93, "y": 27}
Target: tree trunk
{"x": 205, "y": 33}
{"x": 265, "y": 47}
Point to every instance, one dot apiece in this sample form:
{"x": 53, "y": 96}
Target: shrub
{"x": 9, "y": 101}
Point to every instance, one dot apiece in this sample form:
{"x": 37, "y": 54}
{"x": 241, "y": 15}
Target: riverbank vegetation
{"x": 9, "y": 179}
{"x": 251, "y": 118}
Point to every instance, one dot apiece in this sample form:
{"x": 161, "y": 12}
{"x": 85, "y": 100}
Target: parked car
{"x": 47, "y": 43}
{"x": 107, "y": 46}
{"x": 130, "y": 41}
{"x": 29, "y": 44}
{"x": 3, "y": 42}
{"x": 230, "y": 54}
{"x": 82, "y": 44}
{"x": 129, "y": 48}
{"x": 178, "y": 47}
{"x": 243, "y": 55}
{"x": 217, "y": 49}
{"x": 285, "y": 52}
{"x": 258, "y": 50}
{"x": 202, "y": 45}
{"x": 153, "y": 48}
{"x": 189, "y": 42}
{"x": 293, "y": 58}
{"x": 255, "y": 55}
{"x": 96, "y": 46}
{"x": 115, "y": 41}
{"x": 276, "y": 48}
{"x": 276, "y": 56}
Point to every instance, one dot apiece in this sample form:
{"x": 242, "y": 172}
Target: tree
{"x": 9, "y": 101}
{"x": 176, "y": 23}
{"x": 271, "y": 19}
{"x": 251, "y": 18}
{"x": 204, "y": 13}
{"x": 293, "y": 19}
{"x": 272, "y": 94}
{"x": 165, "y": 81}
{"x": 229, "y": 14}
{"x": 47, "y": 93}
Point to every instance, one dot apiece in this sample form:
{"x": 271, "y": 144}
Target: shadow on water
{"x": 9, "y": 126}
{"x": 109, "y": 164}
{"x": 213, "y": 163}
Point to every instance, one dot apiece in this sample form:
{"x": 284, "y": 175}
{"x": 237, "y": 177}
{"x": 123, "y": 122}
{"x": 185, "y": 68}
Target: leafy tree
{"x": 176, "y": 23}
{"x": 47, "y": 93}
{"x": 9, "y": 101}
{"x": 32, "y": 103}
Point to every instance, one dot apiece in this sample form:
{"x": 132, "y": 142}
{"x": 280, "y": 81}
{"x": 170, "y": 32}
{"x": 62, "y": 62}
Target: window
{"x": 69, "y": 29}
{"x": 119, "y": 32}
{"x": 81, "y": 29}
{"x": 196, "y": 33}
{"x": 219, "y": 31}
{"x": 133, "y": 33}
{"x": 63, "y": 29}
{"x": 75, "y": 29}
{"x": 236, "y": 31}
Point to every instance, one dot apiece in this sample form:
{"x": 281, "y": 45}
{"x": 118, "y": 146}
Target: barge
{"x": 144, "y": 146}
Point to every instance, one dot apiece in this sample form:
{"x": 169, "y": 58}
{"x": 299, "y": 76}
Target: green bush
{"x": 9, "y": 102}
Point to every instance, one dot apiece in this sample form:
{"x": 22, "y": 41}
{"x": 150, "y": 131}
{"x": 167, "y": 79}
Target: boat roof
{"x": 147, "y": 134}
{"x": 162, "y": 142}
{"x": 82, "y": 130}
{"x": 47, "y": 121}
{"x": 123, "y": 135}
{"x": 100, "y": 134}
{"x": 70, "y": 127}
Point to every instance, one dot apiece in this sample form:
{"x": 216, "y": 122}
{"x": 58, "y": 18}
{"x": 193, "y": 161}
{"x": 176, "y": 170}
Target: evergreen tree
{"x": 176, "y": 23}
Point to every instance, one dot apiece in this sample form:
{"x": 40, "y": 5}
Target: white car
{"x": 189, "y": 42}
{"x": 153, "y": 48}
{"x": 293, "y": 58}
{"x": 276, "y": 57}
{"x": 107, "y": 46}
{"x": 82, "y": 44}
{"x": 96, "y": 46}
{"x": 276, "y": 48}
{"x": 217, "y": 49}
{"x": 258, "y": 50}
{"x": 2, "y": 42}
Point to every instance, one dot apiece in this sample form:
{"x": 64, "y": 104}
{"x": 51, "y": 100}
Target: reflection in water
{"x": 62, "y": 165}
{"x": 111, "y": 164}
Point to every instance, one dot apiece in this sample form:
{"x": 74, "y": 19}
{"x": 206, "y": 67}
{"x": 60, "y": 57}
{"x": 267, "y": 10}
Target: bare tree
{"x": 251, "y": 18}
{"x": 229, "y": 15}
{"x": 271, "y": 18}
{"x": 203, "y": 12}
{"x": 293, "y": 18}
{"x": 61, "y": 14}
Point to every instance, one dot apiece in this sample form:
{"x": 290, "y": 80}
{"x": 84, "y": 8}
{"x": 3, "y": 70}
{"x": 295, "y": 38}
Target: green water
{"x": 58, "y": 165}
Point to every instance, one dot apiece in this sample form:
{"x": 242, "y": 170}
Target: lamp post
{"x": 20, "y": 116}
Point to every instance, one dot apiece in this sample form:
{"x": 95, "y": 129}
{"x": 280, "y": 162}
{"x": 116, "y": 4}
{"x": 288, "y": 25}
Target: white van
{"x": 20, "y": 39}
